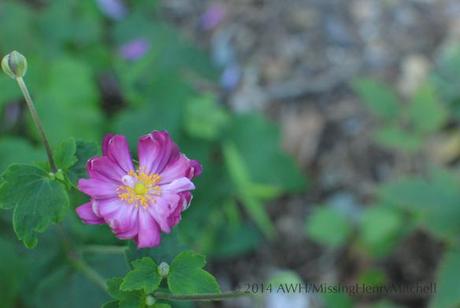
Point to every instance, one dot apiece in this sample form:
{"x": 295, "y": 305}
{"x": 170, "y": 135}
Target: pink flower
{"x": 138, "y": 203}
{"x": 135, "y": 49}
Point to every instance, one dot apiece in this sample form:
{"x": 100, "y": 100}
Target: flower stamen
{"x": 140, "y": 188}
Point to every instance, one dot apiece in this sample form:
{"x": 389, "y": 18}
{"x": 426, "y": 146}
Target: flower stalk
{"x": 14, "y": 65}
{"x": 37, "y": 122}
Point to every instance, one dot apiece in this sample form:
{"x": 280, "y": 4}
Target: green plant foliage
{"x": 64, "y": 155}
{"x": 448, "y": 289}
{"x": 13, "y": 268}
{"x": 319, "y": 227}
{"x": 83, "y": 88}
{"x": 380, "y": 99}
{"x": 63, "y": 283}
{"x": 18, "y": 150}
{"x": 380, "y": 228}
{"x": 38, "y": 200}
{"x": 204, "y": 118}
{"x": 425, "y": 111}
{"x": 171, "y": 245}
{"x": 337, "y": 300}
{"x": 83, "y": 152}
{"x": 446, "y": 77}
{"x": 432, "y": 202}
{"x": 406, "y": 126}
{"x": 186, "y": 275}
{"x": 396, "y": 138}
{"x": 241, "y": 179}
{"x": 258, "y": 141}
{"x": 372, "y": 277}
{"x": 144, "y": 276}
{"x": 62, "y": 108}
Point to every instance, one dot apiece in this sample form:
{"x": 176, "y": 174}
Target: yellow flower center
{"x": 142, "y": 189}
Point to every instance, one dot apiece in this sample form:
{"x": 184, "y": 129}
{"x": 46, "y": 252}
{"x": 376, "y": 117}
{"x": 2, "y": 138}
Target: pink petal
{"x": 186, "y": 198}
{"x": 182, "y": 167}
{"x": 98, "y": 188}
{"x": 149, "y": 232}
{"x": 117, "y": 149}
{"x": 105, "y": 169}
{"x": 85, "y": 212}
{"x": 125, "y": 223}
{"x": 194, "y": 170}
{"x": 105, "y": 143}
{"x": 184, "y": 203}
{"x": 178, "y": 185}
{"x": 156, "y": 150}
{"x": 163, "y": 208}
{"x": 121, "y": 217}
{"x": 107, "y": 207}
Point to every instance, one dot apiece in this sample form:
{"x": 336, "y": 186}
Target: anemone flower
{"x": 138, "y": 202}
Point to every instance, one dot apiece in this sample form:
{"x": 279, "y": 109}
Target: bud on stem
{"x": 14, "y": 65}
{"x": 163, "y": 269}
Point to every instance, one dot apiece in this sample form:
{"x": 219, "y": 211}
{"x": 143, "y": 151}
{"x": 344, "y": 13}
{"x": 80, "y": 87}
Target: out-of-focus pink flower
{"x": 138, "y": 203}
{"x": 212, "y": 17}
{"x": 134, "y": 49}
{"x": 114, "y": 9}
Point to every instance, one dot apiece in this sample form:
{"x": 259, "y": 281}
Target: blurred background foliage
{"x": 95, "y": 67}
{"x": 85, "y": 86}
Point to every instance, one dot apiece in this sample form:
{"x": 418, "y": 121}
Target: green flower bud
{"x": 163, "y": 269}
{"x": 149, "y": 300}
{"x": 14, "y": 65}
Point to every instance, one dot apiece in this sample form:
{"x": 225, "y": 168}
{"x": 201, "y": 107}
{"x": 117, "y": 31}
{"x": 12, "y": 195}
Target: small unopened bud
{"x": 149, "y": 300}
{"x": 60, "y": 175}
{"x": 163, "y": 269}
{"x": 14, "y": 65}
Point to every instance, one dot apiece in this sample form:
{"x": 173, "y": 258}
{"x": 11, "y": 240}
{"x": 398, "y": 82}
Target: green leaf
{"x": 113, "y": 287}
{"x": 395, "y": 138}
{"x": 186, "y": 275}
{"x": 433, "y": 202}
{"x": 64, "y": 154}
{"x": 426, "y": 113}
{"x": 372, "y": 276}
{"x": 448, "y": 289}
{"x": 204, "y": 118}
{"x": 241, "y": 179}
{"x": 18, "y": 150}
{"x": 337, "y": 300}
{"x": 380, "y": 98}
{"x": 84, "y": 151}
{"x": 111, "y": 304}
{"x": 446, "y": 77}
{"x": 259, "y": 143}
{"x": 319, "y": 227}
{"x": 37, "y": 199}
{"x": 380, "y": 227}
{"x": 144, "y": 276}
{"x": 161, "y": 305}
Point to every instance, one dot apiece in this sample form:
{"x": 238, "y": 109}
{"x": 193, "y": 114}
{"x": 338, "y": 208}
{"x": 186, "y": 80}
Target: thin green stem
{"x": 38, "y": 124}
{"x": 206, "y": 297}
{"x": 89, "y": 272}
{"x": 77, "y": 262}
